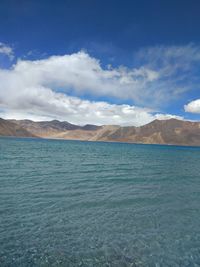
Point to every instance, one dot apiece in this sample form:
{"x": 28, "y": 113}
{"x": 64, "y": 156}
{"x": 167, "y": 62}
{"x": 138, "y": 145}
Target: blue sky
{"x": 105, "y": 62}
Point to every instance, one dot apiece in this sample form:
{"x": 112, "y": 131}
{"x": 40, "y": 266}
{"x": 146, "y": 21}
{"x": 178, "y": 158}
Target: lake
{"x": 72, "y": 203}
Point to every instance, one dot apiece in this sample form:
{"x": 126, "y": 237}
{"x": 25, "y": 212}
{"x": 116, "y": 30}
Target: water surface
{"x": 71, "y": 203}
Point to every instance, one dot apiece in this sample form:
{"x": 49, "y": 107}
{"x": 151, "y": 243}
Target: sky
{"x": 100, "y": 61}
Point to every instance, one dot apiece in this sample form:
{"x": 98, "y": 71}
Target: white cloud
{"x": 193, "y": 106}
{"x": 82, "y": 74}
{"x": 50, "y": 105}
{"x": 167, "y": 117}
{"x": 6, "y": 50}
{"x": 32, "y": 89}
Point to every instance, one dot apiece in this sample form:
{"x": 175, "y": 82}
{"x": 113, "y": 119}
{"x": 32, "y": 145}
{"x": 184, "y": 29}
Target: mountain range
{"x": 172, "y": 131}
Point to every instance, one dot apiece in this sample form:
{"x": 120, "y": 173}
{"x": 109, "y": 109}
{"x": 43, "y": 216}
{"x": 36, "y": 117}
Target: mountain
{"x": 8, "y": 128}
{"x": 52, "y": 128}
{"x": 57, "y": 129}
{"x": 172, "y": 131}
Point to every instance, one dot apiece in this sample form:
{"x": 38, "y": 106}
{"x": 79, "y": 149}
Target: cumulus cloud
{"x": 145, "y": 85}
{"x": 44, "y": 104}
{"x": 6, "y": 50}
{"x": 82, "y": 74}
{"x": 193, "y": 106}
{"x": 41, "y": 89}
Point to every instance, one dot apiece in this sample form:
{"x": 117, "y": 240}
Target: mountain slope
{"x": 8, "y": 128}
{"x": 158, "y": 132}
{"x": 57, "y": 129}
{"x": 171, "y": 131}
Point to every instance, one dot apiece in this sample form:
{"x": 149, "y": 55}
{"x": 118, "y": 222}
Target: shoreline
{"x": 100, "y": 141}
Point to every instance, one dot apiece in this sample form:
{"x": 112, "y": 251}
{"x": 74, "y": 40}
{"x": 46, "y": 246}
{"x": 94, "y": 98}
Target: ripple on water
{"x": 67, "y": 203}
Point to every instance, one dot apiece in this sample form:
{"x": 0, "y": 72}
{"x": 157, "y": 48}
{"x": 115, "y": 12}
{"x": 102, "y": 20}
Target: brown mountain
{"x": 8, "y": 128}
{"x": 171, "y": 131}
{"x": 57, "y": 129}
{"x": 176, "y": 132}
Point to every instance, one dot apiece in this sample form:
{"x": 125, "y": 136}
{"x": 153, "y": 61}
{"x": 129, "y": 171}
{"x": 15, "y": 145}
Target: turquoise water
{"x": 70, "y": 203}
